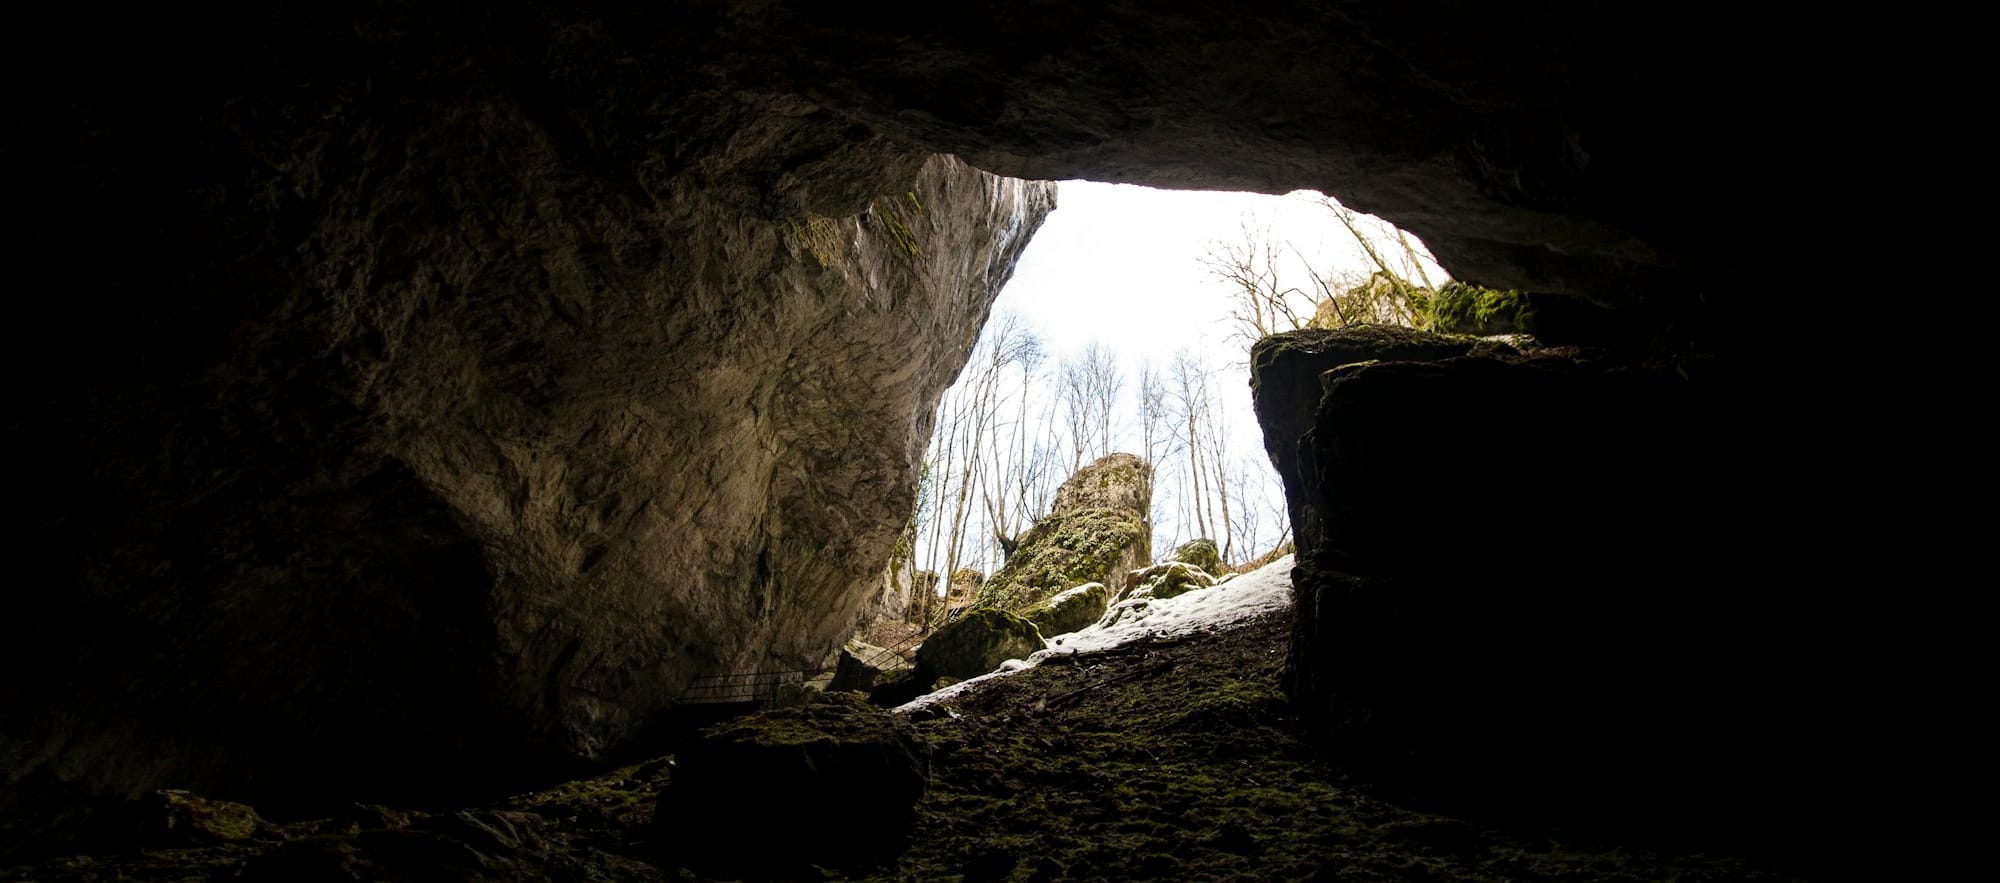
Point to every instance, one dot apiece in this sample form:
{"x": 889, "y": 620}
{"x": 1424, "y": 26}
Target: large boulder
{"x": 1099, "y": 527}
{"x": 833, "y": 783}
{"x": 1068, "y": 611}
{"x": 976, "y": 643}
{"x": 1285, "y": 390}
{"x": 1202, "y": 554}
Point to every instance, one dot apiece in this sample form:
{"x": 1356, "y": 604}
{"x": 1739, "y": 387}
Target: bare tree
{"x": 1385, "y": 295}
{"x": 1020, "y": 459}
{"x": 1090, "y": 383}
{"x": 970, "y": 450}
{"x": 1188, "y": 397}
{"x": 1154, "y": 437}
{"x": 1261, "y": 304}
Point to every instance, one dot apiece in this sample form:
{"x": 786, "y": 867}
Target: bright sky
{"x": 1120, "y": 263}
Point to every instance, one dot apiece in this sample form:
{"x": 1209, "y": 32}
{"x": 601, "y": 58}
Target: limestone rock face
{"x": 1099, "y": 527}
{"x": 441, "y": 412}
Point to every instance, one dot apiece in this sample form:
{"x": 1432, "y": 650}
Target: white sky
{"x": 1120, "y": 264}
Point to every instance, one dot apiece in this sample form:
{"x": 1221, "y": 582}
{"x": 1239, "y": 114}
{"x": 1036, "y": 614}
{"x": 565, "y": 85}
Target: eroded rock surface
{"x": 422, "y": 410}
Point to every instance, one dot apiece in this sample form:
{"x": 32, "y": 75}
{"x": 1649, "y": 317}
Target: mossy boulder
{"x": 1169, "y": 580}
{"x": 976, "y": 643}
{"x": 788, "y": 771}
{"x": 1099, "y": 528}
{"x": 1200, "y": 553}
{"x": 1071, "y": 610}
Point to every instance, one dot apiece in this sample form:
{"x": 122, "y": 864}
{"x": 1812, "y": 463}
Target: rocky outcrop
{"x": 1099, "y": 527}
{"x": 1529, "y": 590}
{"x": 1285, "y": 374}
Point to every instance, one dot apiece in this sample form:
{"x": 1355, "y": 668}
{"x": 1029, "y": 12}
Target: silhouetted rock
{"x": 832, "y": 783}
{"x": 1533, "y": 590}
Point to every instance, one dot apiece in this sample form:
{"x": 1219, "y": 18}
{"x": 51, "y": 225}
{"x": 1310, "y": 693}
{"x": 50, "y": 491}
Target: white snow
{"x": 1260, "y": 591}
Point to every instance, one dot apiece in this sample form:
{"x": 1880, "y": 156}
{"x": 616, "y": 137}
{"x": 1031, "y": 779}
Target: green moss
{"x": 976, "y": 643}
{"x": 1062, "y": 552}
{"x": 1201, "y": 553}
{"x": 1471, "y": 309}
{"x": 1169, "y": 580}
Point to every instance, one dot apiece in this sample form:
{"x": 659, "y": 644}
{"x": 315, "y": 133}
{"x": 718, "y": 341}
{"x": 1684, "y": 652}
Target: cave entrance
{"x": 1126, "y": 327}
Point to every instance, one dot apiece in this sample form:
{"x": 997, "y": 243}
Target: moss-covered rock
{"x": 1099, "y": 528}
{"x": 1071, "y": 610}
{"x": 1200, "y": 553}
{"x": 1169, "y": 580}
{"x": 1461, "y": 308}
{"x": 976, "y": 643}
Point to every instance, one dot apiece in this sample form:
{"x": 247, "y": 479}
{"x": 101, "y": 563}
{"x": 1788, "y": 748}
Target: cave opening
{"x": 438, "y": 395}
{"x": 1127, "y": 326}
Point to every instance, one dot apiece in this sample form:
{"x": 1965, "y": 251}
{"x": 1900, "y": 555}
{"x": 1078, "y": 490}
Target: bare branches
{"x": 1262, "y": 306}
{"x": 1089, "y": 387}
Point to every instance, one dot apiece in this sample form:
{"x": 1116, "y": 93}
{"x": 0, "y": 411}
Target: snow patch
{"x": 1246, "y": 597}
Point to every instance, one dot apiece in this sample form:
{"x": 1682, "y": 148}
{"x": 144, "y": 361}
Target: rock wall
{"x": 1533, "y": 583}
{"x": 426, "y": 402}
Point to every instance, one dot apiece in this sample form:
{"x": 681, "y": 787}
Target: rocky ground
{"x": 1171, "y": 759}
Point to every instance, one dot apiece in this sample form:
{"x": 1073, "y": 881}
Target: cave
{"x": 419, "y": 397}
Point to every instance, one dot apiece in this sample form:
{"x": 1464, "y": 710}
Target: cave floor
{"x": 1173, "y": 760}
